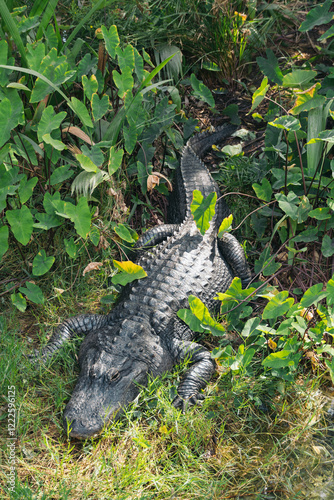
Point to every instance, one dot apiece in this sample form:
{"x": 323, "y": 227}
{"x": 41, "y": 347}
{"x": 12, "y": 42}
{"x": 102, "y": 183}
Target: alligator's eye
{"x": 113, "y": 376}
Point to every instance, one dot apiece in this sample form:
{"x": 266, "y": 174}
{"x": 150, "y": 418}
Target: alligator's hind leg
{"x": 156, "y": 235}
{"x": 78, "y": 325}
{"x": 234, "y": 254}
{"x": 197, "y": 376}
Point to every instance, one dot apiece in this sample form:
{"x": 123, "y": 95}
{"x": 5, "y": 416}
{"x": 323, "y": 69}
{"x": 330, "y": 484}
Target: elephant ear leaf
{"x": 203, "y": 209}
{"x": 129, "y": 272}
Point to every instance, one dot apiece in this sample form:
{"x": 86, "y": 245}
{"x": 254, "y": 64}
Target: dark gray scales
{"x": 143, "y": 334}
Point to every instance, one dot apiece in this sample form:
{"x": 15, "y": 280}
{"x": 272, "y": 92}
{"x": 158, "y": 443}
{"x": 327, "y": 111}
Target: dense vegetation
{"x": 93, "y": 116}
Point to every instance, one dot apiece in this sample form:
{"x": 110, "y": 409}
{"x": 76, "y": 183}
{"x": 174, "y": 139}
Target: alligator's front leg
{"x": 78, "y": 325}
{"x": 198, "y": 375}
{"x": 156, "y": 235}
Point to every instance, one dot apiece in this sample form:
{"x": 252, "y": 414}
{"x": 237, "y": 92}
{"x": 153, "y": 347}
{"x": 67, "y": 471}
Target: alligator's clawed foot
{"x": 184, "y": 403}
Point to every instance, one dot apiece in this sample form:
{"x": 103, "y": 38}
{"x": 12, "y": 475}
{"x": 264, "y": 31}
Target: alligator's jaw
{"x": 96, "y": 402}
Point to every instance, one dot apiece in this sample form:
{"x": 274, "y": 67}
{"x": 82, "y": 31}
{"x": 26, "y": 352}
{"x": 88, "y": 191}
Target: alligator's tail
{"x": 201, "y": 143}
{"x": 193, "y": 174}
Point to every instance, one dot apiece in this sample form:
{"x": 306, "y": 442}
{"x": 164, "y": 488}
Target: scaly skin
{"x": 143, "y": 335}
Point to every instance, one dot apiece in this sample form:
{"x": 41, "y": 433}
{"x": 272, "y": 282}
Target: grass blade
{"x": 49, "y": 11}
{"x": 98, "y": 5}
{"x": 13, "y": 30}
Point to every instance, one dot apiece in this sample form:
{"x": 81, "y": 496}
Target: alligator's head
{"x": 112, "y": 369}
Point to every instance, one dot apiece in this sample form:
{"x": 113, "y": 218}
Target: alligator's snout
{"x": 105, "y": 385}
{"x": 80, "y": 427}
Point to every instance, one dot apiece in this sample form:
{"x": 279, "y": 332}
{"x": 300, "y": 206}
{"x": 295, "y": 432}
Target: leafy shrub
{"x": 70, "y": 125}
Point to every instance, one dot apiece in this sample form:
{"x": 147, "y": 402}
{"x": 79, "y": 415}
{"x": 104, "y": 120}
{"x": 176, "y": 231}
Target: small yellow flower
{"x": 243, "y": 16}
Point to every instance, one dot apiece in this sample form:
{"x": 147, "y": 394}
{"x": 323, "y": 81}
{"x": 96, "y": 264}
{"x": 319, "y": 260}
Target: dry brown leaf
{"x": 78, "y": 133}
{"x": 74, "y": 149}
{"x": 153, "y": 180}
{"x": 91, "y": 267}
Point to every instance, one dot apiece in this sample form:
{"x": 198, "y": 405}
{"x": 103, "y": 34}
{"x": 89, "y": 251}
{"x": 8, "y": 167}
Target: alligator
{"x": 143, "y": 336}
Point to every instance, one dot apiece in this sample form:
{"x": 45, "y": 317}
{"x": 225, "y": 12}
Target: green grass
{"x": 247, "y": 440}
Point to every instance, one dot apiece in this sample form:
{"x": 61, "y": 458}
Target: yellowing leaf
{"x": 226, "y": 225}
{"x": 129, "y": 272}
{"x": 272, "y": 345}
{"x": 163, "y": 429}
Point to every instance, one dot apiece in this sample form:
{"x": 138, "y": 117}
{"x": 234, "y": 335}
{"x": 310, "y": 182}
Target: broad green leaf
{"x": 321, "y": 213}
{"x": 35, "y": 55}
{"x": 94, "y": 236}
{"x": 203, "y": 210}
{"x": 147, "y": 58}
{"x": 306, "y": 101}
{"x": 86, "y": 163}
{"x": 288, "y": 204}
{"x": 42, "y": 263}
{"x": 317, "y": 16}
{"x": 126, "y": 57}
{"x": 231, "y": 150}
{"x": 330, "y": 366}
{"x": 327, "y": 246}
{"x": 279, "y": 359}
{"x": 99, "y": 106}
{"x": 278, "y": 306}
{"x": 19, "y": 301}
{"x": 129, "y": 272}
{"x": 130, "y": 138}
{"x": 134, "y": 110}
{"x": 266, "y": 264}
{"x": 54, "y": 70}
{"x": 191, "y": 320}
{"x": 47, "y": 221}
{"x": 124, "y": 233}
{"x": 124, "y": 81}
{"x": 202, "y": 313}
{"x": 235, "y": 292}
{"x": 226, "y": 225}
{"x": 328, "y": 34}
{"x": 115, "y": 160}
{"x": 90, "y": 86}
{"x": 139, "y": 65}
{"x": 143, "y": 173}
{"x": 260, "y": 94}
{"x": 330, "y": 291}
{"x": 326, "y": 136}
{"x": 58, "y": 145}
{"x": 111, "y": 39}
{"x": 71, "y": 248}
{"x": 298, "y": 78}
{"x": 26, "y": 188}
{"x": 80, "y": 215}
{"x": 81, "y": 110}
{"x": 18, "y": 86}
{"x": 4, "y": 233}
{"x": 250, "y": 326}
{"x": 49, "y": 121}
{"x": 313, "y": 295}
{"x": 270, "y": 68}
{"x": 310, "y": 234}
{"x": 293, "y": 177}
{"x": 8, "y": 120}
{"x": 33, "y": 293}
{"x": 60, "y": 174}
{"x": 21, "y": 223}
{"x": 286, "y": 122}
{"x": 201, "y": 91}
{"x": 263, "y": 191}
